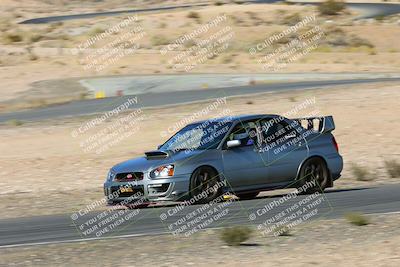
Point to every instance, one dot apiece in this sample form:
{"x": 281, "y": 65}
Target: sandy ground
{"x": 45, "y": 170}
{"x": 316, "y": 243}
{"x": 52, "y": 57}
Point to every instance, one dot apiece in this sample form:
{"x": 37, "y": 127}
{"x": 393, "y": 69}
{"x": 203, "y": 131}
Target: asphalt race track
{"x": 147, "y": 100}
{"x": 61, "y": 228}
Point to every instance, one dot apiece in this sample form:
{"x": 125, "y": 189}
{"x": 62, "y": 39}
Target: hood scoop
{"x": 156, "y": 154}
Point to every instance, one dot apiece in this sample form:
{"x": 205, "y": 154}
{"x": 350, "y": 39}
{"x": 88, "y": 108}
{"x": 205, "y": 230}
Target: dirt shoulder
{"x": 320, "y": 243}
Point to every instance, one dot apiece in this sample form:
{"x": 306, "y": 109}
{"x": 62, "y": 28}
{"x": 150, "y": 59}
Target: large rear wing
{"x": 318, "y": 124}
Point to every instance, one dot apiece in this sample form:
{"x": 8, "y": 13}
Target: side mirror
{"x": 233, "y": 143}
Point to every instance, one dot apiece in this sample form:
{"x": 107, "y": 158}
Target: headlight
{"x": 110, "y": 176}
{"x": 163, "y": 171}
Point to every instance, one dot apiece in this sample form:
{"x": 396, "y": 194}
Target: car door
{"x": 244, "y": 165}
{"x": 286, "y": 149}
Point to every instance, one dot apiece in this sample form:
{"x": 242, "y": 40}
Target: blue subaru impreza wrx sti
{"x": 243, "y": 155}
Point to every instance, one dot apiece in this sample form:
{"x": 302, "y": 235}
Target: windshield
{"x": 198, "y": 136}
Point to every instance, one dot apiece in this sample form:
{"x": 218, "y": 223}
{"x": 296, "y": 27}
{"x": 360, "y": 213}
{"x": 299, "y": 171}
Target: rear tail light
{"x": 335, "y": 144}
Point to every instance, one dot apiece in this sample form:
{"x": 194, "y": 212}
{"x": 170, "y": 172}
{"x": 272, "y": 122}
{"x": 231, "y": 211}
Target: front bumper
{"x": 148, "y": 190}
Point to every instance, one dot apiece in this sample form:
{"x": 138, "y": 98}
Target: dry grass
{"x": 14, "y": 122}
{"x": 331, "y": 7}
{"x": 393, "y": 168}
{"x": 235, "y": 236}
{"x": 282, "y": 231}
{"x": 158, "y": 40}
{"x": 357, "y": 218}
{"x": 12, "y": 37}
{"x": 193, "y": 15}
{"x": 360, "y": 173}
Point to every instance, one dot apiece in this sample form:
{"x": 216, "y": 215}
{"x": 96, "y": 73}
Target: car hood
{"x": 153, "y": 159}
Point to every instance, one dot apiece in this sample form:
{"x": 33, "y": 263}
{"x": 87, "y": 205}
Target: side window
{"x": 277, "y": 132}
{"x": 246, "y": 132}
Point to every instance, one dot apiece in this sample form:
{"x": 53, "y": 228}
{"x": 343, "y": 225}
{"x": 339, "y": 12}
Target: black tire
{"x": 204, "y": 179}
{"x": 314, "y": 169}
{"x": 247, "y": 196}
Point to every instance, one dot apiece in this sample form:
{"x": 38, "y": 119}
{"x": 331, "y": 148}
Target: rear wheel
{"x": 247, "y": 196}
{"x": 204, "y": 185}
{"x": 314, "y": 176}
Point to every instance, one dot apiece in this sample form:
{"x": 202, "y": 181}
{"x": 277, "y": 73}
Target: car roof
{"x": 237, "y": 118}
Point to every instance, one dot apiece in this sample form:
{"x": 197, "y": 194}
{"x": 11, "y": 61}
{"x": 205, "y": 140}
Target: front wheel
{"x": 205, "y": 185}
{"x": 314, "y": 176}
